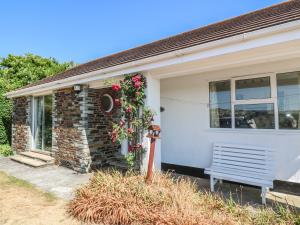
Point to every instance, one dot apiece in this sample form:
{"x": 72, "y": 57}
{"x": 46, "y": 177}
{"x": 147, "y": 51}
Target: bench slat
{"x": 249, "y": 181}
{"x": 237, "y": 163}
{"x": 240, "y": 159}
{"x": 243, "y": 151}
{"x": 241, "y": 173}
{"x": 241, "y": 146}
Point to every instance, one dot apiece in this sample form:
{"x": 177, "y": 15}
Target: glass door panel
{"x": 42, "y": 123}
{"x": 38, "y": 122}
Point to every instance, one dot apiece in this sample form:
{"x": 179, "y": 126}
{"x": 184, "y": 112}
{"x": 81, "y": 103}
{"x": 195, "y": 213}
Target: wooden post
{"x": 153, "y": 133}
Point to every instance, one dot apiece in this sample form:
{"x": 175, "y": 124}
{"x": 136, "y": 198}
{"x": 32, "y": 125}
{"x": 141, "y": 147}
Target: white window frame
{"x": 271, "y": 100}
{"x": 234, "y": 102}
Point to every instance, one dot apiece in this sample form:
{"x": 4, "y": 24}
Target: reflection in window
{"x": 255, "y": 116}
{"x": 288, "y": 94}
{"x": 220, "y": 104}
{"x": 255, "y": 88}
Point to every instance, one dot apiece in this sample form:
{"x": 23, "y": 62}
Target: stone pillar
{"x": 69, "y": 140}
{"x": 21, "y": 124}
{"x": 153, "y": 102}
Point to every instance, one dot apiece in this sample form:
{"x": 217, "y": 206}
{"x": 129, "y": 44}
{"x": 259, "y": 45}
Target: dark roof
{"x": 271, "y": 16}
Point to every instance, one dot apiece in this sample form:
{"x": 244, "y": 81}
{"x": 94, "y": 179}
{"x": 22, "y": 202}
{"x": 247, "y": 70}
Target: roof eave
{"x": 151, "y": 62}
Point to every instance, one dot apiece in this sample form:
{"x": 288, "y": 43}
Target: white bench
{"x": 251, "y": 165}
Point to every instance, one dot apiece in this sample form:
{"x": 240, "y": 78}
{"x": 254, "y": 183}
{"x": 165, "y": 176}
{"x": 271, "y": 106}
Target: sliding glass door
{"x": 42, "y": 123}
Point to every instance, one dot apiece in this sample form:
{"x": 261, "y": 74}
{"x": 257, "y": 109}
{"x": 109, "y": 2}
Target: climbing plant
{"x": 135, "y": 116}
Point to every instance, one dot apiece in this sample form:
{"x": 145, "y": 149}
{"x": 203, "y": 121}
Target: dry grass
{"x": 113, "y": 198}
{"x": 21, "y": 203}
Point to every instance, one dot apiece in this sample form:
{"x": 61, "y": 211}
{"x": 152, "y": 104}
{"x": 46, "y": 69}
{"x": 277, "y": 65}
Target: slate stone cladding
{"x": 21, "y": 120}
{"x": 99, "y": 124}
{"x": 80, "y": 137}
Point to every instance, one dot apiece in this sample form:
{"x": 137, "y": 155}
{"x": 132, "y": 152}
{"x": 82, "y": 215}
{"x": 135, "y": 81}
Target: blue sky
{"x": 82, "y": 30}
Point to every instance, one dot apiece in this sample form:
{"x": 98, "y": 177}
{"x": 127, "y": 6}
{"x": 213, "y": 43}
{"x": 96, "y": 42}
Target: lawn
{"x": 21, "y": 203}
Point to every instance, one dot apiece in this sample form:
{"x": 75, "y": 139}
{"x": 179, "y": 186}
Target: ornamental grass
{"x": 112, "y": 198}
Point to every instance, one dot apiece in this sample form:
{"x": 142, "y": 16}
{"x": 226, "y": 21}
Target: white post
{"x": 124, "y": 147}
{"x": 153, "y": 102}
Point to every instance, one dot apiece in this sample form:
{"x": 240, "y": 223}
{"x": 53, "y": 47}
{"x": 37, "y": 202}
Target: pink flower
{"x": 136, "y": 78}
{"x": 138, "y": 84}
{"x": 129, "y": 110}
{"x": 116, "y": 87}
{"x": 130, "y": 149}
{"x": 122, "y": 123}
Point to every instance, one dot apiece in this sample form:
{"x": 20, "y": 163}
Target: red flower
{"x": 129, "y": 131}
{"x": 116, "y": 87}
{"x": 114, "y": 136}
{"x": 118, "y": 102}
{"x": 138, "y": 84}
{"x": 130, "y": 149}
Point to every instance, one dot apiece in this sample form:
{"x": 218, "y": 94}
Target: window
{"x": 220, "y": 104}
{"x": 288, "y": 95}
{"x": 253, "y": 107}
{"x": 255, "y": 116}
{"x": 256, "y": 88}
{"x": 256, "y": 102}
{"x": 107, "y": 103}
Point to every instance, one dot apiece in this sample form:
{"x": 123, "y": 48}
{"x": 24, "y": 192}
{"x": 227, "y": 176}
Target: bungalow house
{"x": 235, "y": 81}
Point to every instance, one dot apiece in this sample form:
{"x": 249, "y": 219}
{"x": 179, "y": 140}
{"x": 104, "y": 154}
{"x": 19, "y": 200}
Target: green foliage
{"x": 5, "y": 150}
{"x": 16, "y": 72}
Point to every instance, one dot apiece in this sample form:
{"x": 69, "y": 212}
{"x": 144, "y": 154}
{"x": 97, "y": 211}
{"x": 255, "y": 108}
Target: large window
{"x": 220, "y": 104}
{"x": 257, "y": 102}
{"x": 288, "y": 94}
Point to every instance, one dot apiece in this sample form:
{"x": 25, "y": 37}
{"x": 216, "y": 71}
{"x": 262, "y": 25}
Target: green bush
{"x": 5, "y": 150}
{"x": 16, "y": 72}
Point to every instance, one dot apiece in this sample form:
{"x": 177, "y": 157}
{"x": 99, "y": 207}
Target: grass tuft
{"x": 114, "y": 198}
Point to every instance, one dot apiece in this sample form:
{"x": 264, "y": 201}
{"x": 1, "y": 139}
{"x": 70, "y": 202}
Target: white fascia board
{"x": 207, "y": 50}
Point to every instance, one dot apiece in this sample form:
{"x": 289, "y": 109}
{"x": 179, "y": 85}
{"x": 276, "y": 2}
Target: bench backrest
{"x": 244, "y": 159}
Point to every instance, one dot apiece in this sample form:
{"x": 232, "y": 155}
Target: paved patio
{"x": 57, "y": 180}
{"x": 247, "y": 195}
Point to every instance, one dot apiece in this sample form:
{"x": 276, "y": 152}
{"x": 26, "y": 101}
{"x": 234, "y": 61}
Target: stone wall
{"x": 99, "y": 124}
{"x": 21, "y": 121}
{"x": 80, "y": 137}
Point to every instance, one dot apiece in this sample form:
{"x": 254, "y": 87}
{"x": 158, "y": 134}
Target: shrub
{"x": 5, "y": 150}
{"x": 114, "y": 198}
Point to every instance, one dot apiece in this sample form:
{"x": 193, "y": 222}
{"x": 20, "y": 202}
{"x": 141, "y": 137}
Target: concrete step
{"x": 39, "y": 156}
{"x": 40, "y": 152}
{"x": 28, "y": 161}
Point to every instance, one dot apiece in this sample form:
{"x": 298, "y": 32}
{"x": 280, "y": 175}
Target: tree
{"x": 16, "y": 72}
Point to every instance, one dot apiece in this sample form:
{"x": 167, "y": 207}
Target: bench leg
{"x": 263, "y": 195}
{"x": 212, "y": 184}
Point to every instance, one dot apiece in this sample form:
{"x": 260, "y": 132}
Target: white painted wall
{"x": 187, "y": 139}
